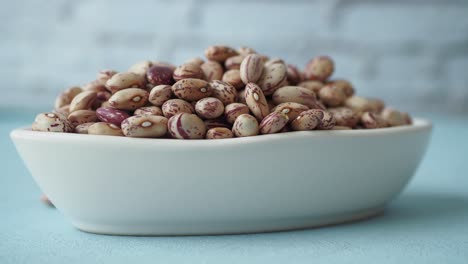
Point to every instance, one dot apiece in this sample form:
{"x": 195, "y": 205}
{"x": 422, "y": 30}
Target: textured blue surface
{"x": 428, "y": 223}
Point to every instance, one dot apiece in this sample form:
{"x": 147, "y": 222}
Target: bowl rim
{"x": 418, "y": 125}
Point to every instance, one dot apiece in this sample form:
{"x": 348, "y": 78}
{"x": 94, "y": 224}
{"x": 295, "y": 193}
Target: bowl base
{"x": 225, "y": 228}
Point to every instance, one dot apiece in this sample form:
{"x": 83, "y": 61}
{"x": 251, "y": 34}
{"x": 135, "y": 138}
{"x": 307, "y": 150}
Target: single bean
{"x": 51, "y": 122}
{"x": 212, "y": 70}
{"x": 219, "y": 133}
{"x": 291, "y": 109}
{"x": 188, "y": 70}
{"x": 174, "y": 106}
{"x": 294, "y": 75}
{"x": 344, "y": 85}
{"x": 251, "y": 68}
{"x": 273, "y": 77}
{"x": 233, "y": 77}
{"x": 234, "y": 62}
{"x": 209, "y": 108}
{"x": 107, "y": 129}
{"x": 191, "y": 89}
{"x": 160, "y": 75}
{"x": 319, "y": 68}
{"x": 124, "y": 80}
{"x": 314, "y": 86}
{"x": 307, "y": 120}
{"x": 82, "y": 116}
{"x": 220, "y": 53}
{"x": 67, "y": 96}
{"x": 245, "y": 126}
{"x": 332, "y": 95}
{"x": 160, "y": 94}
{"x": 273, "y": 123}
{"x": 111, "y": 115}
{"x": 129, "y": 99}
{"x": 186, "y": 126}
{"x": 370, "y": 121}
{"x": 148, "y": 110}
{"x": 223, "y": 91}
{"x": 147, "y": 126}
{"x": 256, "y": 101}
{"x": 295, "y": 94}
{"x": 83, "y": 128}
{"x": 83, "y": 101}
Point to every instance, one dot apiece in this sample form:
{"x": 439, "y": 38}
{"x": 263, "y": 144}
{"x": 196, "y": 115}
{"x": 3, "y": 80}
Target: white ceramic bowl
{"x": 130, "y": 186}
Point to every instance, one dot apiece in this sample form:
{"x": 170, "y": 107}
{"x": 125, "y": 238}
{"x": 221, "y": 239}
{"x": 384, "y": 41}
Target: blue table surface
{"x": 427, "y": 223}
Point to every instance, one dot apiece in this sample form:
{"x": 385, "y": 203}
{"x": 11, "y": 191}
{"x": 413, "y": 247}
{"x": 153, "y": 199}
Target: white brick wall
{"x": 412, "y": 53}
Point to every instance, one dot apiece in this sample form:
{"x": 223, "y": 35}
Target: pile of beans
{"x": 233, "y": 93}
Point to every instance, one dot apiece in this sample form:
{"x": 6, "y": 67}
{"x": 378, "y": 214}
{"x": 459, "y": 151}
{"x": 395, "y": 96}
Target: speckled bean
{"x": 174, "y": 106}
{"x": 370, "y": 121}
{"x": 148, "y": 110}
{"x": 357, "y": 103}
{"x": 186, "y": 126}
{"x": 146, "y": 126}
{"x": 223, "y": 91}
{"x": 218, "y": 122}
{"x": 295, "y": 94}
{"x": 160, "y": 75}
{"x": 273, "y": 123}
{"x": 251, "y": 68}
{"x": 307, "y": 120}
{"x": 291, "y": 109}
{"x": 209, "y": 108}
{"x": 274, "y": 76}
{"x": 104, "y": 75}
{"x": 124, "y": 80}
{"x": 67, "y": 96}
{"x": 234, "y": 62}
{"x": 319, "y": 68}
{"x": 111, "y": 115}
{"x": 344, "y": 116}
{"x": 220, "y": 53}
{"x": 83, "y": 128}
{"x": 375, "y": 105}
{"x": 394, "y": 117}
{"x": 256, "y": 101}
{"x": 332, "y": 95}
{"x": 191, "y": 89}
{"x": 294, "y": 75}
{"x": 51, "y": 122}
{"x": 95, "y": 86}
{"x": 129, "y": 99}
{"x": 218, "y": 133}
{"x": 245, "y": 126}
{"x": 82, "y": 116}
{"x": 327, "y": 122}
{"x": 83, "y": 101}
{"x": 188, "y": 70}
{"x": 141, "y": 68}
{"x": 160, "y": 94}
{"x": 233, "y": 77}
{"x": 232, "y": 111}
{"x": 314, "y": 86}
{"x": 106, "y": 129}
{"x": 344, "y": 85}
{"x": 212, "y": 70}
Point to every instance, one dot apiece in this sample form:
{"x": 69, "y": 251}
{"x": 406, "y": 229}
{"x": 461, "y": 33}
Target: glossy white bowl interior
{"x": 131, "y": 186}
